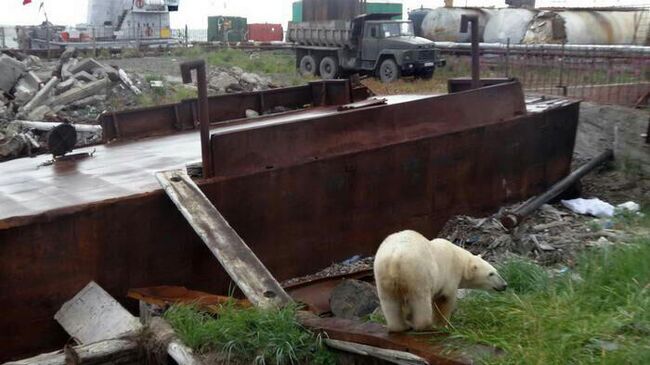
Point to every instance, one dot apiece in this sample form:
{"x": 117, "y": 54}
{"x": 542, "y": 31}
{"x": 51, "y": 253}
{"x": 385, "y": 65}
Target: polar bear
{"x": 417, "y": 279}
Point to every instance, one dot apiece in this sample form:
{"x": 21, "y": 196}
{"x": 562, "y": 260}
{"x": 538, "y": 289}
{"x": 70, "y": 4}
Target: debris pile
{"x": 549, "y": 235}
{"x": 231, "y": 80}
{"x": 35, "y": 96}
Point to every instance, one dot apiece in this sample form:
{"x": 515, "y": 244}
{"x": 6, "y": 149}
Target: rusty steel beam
{"x": 204, "y": 111}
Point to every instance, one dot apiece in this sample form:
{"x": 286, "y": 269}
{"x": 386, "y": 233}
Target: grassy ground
{"x": 597, "y": 314}
{"x": 249, "y": 335}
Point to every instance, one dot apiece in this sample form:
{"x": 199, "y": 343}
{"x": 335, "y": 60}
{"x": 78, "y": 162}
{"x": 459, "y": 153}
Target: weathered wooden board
{"x": 239, "y": 261}
{"x": 93, "y": 315}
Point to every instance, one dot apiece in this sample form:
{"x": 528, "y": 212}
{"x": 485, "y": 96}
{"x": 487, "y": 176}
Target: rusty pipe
{"x": 513, "y": 218}
{"x": 473, "y": 19}
{"x": 204, "y": 112}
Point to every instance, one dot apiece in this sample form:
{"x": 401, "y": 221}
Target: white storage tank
{"x": 507, "y": 24}
{"x": 606, "y": 27}
{"x": 443, "y": 24}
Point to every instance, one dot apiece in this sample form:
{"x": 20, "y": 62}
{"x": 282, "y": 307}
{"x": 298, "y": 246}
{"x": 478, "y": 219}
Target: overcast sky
{"x": 194, "y": 12}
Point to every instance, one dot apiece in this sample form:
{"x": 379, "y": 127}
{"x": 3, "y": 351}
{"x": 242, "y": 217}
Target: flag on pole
{"x": 25, "y": 2}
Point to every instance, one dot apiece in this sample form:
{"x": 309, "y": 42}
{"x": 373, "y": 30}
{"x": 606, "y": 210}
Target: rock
{"x": 604, "y": 345}
{"x": 354, "y": 299}
{"x": 237, "y": 71}
{"x": 222, "y": 81}
{"x": 24, "y": 91}
{"x": 10, "y": 71}
{"x": 32, "y": 62}
{"x": 250, "y": 113}
{"x": 250, "y": 78}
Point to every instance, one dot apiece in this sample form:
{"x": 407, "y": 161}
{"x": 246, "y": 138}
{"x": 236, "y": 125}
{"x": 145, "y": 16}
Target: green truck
{"x": 373, "y": 44}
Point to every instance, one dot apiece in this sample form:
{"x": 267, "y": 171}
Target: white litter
{"x": 594, "y": 206}
{"x": 629, "y": 206}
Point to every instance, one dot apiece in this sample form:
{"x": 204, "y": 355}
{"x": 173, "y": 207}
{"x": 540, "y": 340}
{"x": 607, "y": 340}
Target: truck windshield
{"x": 397, "y": 29}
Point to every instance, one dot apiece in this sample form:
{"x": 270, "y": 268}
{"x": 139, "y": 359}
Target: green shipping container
{"x": 372, "y": 8}
{"x": 227, "y": 28}
{"x": 384, "y": 8}
{"x": 297, "y": 12}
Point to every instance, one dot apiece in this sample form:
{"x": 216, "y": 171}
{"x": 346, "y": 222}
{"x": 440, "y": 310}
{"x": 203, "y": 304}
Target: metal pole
{"x": 94, "y": 42}
{"x": 204, "y": 112}
{"x": 187, "y": 38}
{"x": 473, "y": 19}
{"x": 562, "y": 60}
{"x": 508, "y": 58}
{"x": 512, "y": 219}
{"x": 48, "y": 40}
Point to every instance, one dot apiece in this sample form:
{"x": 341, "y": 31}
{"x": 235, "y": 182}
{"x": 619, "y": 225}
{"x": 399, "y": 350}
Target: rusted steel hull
{"x": 302, "y": 193}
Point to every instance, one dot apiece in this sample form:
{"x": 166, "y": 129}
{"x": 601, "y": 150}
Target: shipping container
{"x": 371, "y": 8}
{"x": 265, "y": 32}
{"x": 227, "y": 28}
{"x": 297, "y": 12}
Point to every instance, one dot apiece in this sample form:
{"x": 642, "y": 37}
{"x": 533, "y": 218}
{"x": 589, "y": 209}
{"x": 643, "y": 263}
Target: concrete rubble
{"x": 224, "y": 80}
{"x": 72, "y": 88}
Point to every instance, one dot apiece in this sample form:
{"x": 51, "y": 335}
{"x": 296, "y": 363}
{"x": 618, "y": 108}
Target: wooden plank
{"x": 93, "y": 315}
{"x": 115, "y": 351}
{"x": 393, "y": 356}
{"x": 239, "y": 261}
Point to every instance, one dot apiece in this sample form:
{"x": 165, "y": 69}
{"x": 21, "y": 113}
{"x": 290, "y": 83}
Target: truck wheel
{"x": 329, "y": 68}
{"x": 308, "y": 65}
{"x": 388, "y": 71}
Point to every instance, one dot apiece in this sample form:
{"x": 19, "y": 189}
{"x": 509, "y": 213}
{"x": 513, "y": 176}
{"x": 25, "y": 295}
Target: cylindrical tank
{"x": 605, "y": 27}
{"x": 508, "y": 23}
{"x": 443, "y": 24}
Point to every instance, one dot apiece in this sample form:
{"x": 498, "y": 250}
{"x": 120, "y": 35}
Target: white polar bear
{"x": 415, "y": 275}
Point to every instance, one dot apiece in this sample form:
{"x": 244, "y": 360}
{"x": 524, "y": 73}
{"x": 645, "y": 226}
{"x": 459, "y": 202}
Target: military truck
{"x": 368, "y": 44}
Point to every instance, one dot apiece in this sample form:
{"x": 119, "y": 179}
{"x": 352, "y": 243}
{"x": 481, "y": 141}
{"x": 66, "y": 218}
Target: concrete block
{"x": 84, "y": 76}
{"x": 10, "y": 71}
{"x": 23, "y": 92}
{"x": 66, "y": 85}
{"x": 80, "y": 92}
{"x": 88, "y": 65}
{"x": 39, "y": 113}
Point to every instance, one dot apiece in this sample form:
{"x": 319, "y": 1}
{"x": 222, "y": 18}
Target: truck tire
{"x": 308, "y": 65}
{"x": 329, "y": 68}
{"x": 389, "y": 71}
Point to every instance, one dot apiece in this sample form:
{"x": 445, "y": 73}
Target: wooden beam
{"x": 115, "y": 351}
{"x": 239, "y": 261}
{"x": 393, "y": 356}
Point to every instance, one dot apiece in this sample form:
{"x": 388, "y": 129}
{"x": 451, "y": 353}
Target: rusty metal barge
{"x": 316, "y": 184}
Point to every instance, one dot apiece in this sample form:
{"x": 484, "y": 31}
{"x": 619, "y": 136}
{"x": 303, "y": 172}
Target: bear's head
{"x": 479, "y": 274}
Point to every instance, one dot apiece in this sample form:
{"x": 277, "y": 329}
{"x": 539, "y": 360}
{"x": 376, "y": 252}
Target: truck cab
{"x": 391, "y": 49}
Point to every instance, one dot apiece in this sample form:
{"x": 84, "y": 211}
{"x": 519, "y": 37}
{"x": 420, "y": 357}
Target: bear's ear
{"x": 474, "y": 267}
{"x": 479, "y": 256}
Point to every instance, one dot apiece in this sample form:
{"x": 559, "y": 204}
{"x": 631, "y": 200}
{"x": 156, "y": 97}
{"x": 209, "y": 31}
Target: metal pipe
{"x": 204, "y": 115}
{"x": 464, "y": 19}
{"x": 513, "y": 218}
{"x": 554, "y": 47}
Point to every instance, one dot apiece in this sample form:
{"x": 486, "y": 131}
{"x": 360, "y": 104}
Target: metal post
{"x": 508, "y": 59}
{"x": 204, "y": 112}
{"x": 187, "y": 37}
{"x": 47, "y": 27}
{"x": 562, "y": 60}
{"x": 94, "y": 42}
{"x": 473, "y": 19}
{"x": 2, "y": 32}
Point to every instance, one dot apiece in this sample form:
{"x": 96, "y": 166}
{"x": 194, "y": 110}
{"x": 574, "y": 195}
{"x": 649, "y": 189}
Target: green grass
{"x": 268, "y": 62}
{"x": 249, "y": 335}
{"x": 565, "y": 321}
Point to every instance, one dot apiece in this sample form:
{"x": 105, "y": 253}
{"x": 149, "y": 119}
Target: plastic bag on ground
{"x": 594, "y": 206}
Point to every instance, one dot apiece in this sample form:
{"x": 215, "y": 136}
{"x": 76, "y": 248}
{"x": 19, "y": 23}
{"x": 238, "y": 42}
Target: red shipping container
{"x": 265, "y": 32}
